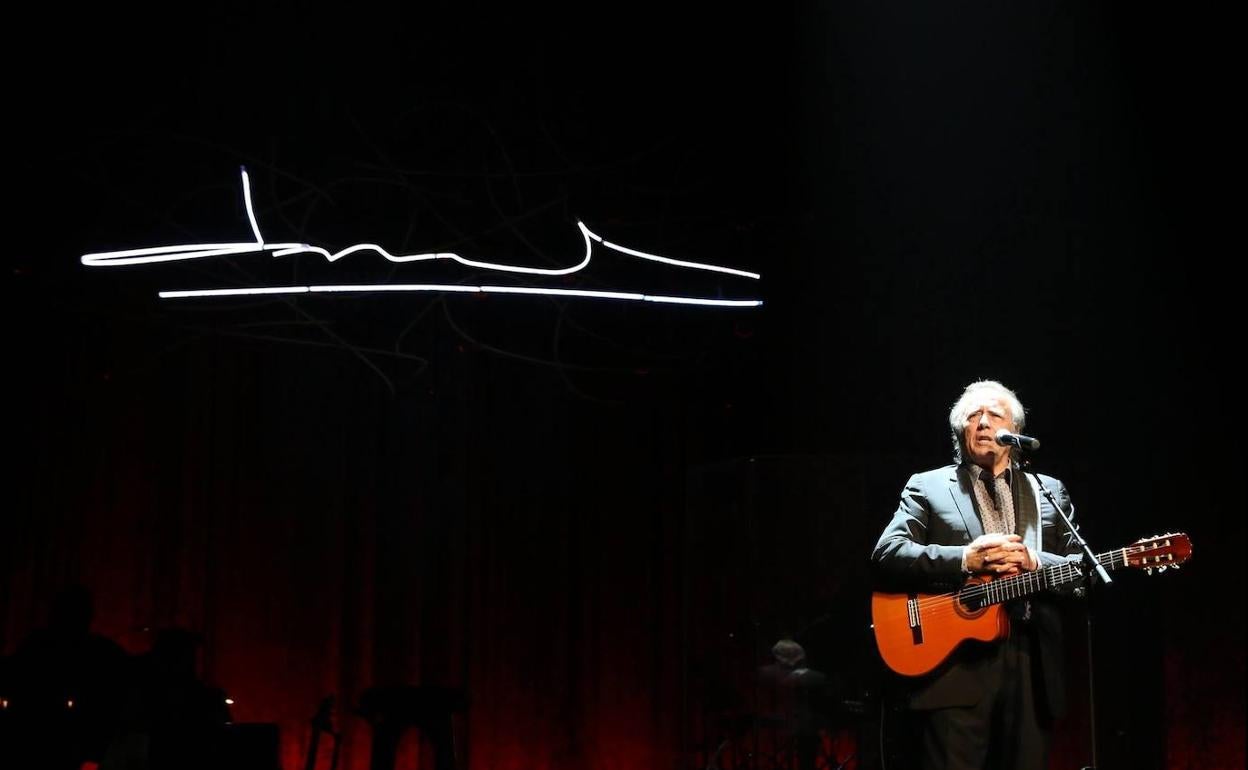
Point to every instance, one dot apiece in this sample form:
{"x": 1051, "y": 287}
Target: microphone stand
{"x": 1094, "y": 569}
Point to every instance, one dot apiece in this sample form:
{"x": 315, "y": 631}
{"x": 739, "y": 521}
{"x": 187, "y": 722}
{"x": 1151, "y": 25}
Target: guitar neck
{"x": 1160, "y": 552}
{"x": 1028, "y": 583}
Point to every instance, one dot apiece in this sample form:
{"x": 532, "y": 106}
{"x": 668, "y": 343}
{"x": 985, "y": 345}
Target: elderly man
{"x": 990, "y": 705}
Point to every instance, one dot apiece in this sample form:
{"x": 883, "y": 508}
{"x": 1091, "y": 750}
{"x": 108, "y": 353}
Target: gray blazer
{"x": 921, "y": 550}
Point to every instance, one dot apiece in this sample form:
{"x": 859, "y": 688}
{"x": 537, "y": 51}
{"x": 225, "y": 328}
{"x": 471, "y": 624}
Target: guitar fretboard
{"x": 1027, "y": 583}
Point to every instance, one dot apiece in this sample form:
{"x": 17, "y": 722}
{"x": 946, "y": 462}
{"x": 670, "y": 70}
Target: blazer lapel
{"x": 960, "y": 491}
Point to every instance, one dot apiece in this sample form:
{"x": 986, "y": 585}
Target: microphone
{"x": 1005, "y": 438}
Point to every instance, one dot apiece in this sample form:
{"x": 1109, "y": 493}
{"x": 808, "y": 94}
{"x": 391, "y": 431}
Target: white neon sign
{"x": 160, "y": 254}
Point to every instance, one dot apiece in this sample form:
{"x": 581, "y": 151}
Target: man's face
{"x": 988, "y": 415}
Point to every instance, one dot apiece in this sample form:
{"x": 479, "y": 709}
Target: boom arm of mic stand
{"x": 1089, "y": 558}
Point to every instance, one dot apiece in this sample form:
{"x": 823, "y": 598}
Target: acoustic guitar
{"x": 916, "y": 632}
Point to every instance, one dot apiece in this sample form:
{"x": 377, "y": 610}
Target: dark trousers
{"x": 1006, "y": 730}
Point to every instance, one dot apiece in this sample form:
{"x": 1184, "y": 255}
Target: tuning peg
{"x": 1148, "y": 570}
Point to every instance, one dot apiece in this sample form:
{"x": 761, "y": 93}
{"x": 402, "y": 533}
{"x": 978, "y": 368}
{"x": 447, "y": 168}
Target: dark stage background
{"x": 597, "y": 518}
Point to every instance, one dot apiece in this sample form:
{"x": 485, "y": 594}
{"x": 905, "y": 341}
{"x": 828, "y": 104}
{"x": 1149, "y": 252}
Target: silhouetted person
{"x": 173, "y": 719}
{"x": 788, "y": 695}
{"x": 63, "y": 686}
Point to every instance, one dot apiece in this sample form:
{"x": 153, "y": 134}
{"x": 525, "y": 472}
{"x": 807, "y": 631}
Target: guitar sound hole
{"x": 970, "y": 602}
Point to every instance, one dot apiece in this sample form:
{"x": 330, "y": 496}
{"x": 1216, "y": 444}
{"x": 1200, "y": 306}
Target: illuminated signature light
{"x": 432, "y": 287}
{"x": 183, "y": 252}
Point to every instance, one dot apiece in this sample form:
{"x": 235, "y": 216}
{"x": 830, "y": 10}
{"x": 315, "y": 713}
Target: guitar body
{"x": 915, "y": 633}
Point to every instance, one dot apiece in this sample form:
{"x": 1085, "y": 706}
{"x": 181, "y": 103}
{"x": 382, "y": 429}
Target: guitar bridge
{"x": 916, "y": 623}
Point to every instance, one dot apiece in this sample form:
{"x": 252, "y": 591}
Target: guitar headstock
{"x": 1159, "y": 553}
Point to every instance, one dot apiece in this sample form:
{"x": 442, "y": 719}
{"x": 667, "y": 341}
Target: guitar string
{"x": 1012, "y": 587}
{"x": 942, "y": 605}
{"x": 995, "y": 592}
{"x": 1034, "y": 580}
{"x": 1016, "y": 586}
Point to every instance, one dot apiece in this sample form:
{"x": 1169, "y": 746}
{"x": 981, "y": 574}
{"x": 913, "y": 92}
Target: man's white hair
{"x": 972, "y": 397}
